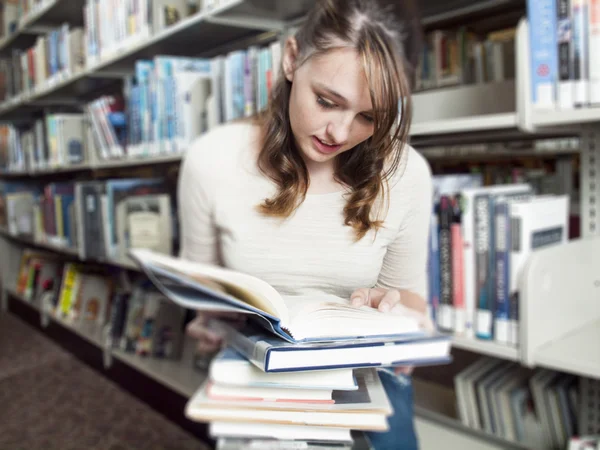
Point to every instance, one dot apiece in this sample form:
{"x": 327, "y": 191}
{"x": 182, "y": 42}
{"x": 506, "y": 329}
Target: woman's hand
{"x": 394, "y": 301}
{"x": 209, "y": 341}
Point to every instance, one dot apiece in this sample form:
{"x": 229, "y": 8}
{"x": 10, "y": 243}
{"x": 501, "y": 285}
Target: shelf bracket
{"x": 590, "y": 181}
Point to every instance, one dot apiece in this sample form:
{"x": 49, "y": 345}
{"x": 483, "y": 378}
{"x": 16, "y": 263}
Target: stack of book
{"x": 298, "y": 373}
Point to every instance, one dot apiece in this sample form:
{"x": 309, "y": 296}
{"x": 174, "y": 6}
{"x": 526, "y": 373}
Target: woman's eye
{"x": 324, "y": 103}
{"x": 368, "y": 118}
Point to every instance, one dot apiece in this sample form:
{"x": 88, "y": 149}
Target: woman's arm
{"x": 198, "y": 235}
{"x": 403, "y": 276}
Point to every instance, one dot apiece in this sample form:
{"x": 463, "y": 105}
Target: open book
{"x": 212, "y": 288}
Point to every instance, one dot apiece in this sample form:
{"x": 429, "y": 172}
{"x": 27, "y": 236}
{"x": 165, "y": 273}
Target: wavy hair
{"x": 388, "y": 60}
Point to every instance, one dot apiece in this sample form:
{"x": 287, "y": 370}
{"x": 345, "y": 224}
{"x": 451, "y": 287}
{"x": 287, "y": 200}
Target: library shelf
{"x": 472, "y": 124}
{"x": 48, "y": 13}
{"x": 489, "y": 348}
{"x": 98, "y": 166}
{"x": 565, "y": 117}
{"x": 66, "y": 251}
{"x": 178, "y": 375}
{"x": 578, "y": 352}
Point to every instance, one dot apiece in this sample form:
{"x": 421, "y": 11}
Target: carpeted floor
{"x": 49, "y": 400}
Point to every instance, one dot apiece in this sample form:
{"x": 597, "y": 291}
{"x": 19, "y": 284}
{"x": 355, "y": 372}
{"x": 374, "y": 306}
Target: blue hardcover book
{"x": 326, "y": 319}
{"x": 502, "y": 304}
{"x": 271, "y": 353}
{"x": 117, "y": 191}
{"x": 542, "y": 18}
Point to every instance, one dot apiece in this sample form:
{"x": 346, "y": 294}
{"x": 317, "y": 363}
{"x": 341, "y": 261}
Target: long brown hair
{"x": 366, "y": 169}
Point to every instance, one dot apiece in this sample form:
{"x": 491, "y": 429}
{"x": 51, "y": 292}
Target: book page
{"x": 243, "y": 287}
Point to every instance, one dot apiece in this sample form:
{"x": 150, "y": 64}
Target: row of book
{"x": 458, "y": 57}
{"x": 167, "y": 103}
{"x": 56, "y": 56}
{"x": 480, "y": 239}
{"x": 539, "y": 408}
{"x": 112, "y": 26}
{"x": 564, "y": 53}
{"x": 57, "y": 140}
{"x": 100, "y": 220}
{"x": 124, "y": 313}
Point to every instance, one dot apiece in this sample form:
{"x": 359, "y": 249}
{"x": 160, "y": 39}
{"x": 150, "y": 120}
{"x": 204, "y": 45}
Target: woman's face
{"x": 330, "y": 104}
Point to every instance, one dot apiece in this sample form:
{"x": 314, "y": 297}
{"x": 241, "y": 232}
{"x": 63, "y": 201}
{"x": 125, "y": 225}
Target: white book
{"x": 594, "y": 50}
{"x": 364, "y": 409}
{"x": 579, "y": 13}
{"x": 534, "y": 223}
{"x": 271, "y": 394}
{"x": 470, "y": 198}
{"x": 279, "y": 432}
{"x": 229, "y": 368}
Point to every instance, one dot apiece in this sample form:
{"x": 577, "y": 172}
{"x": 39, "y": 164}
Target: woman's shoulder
{"x": 223, "y": 145}
{"x": 413, "y": 171}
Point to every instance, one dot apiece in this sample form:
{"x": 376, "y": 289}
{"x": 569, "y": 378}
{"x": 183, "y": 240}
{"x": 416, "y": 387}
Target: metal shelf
{"x": 568, "y": 117}
{"x": 98, "y": 166}
{"x": 179, "y": 375}
{"x": 489, "y": 122}
{"x": 489, "y": 348}
{"x": 70, "y": 252}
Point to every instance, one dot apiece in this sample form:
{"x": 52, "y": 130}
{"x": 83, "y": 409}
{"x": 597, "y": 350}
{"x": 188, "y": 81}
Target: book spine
{"x": 594, "y": 50}
{"x": 541, "y": 16}
{"x": 502, "y": 305}
{"x": 446, "y": 311}
{"x": 482, "y": 270}
{"x": 565, "y": 60}
{"x": 458, "y": 294}
{"x": 580, "y": 53}
{"x": 434, "y": 269}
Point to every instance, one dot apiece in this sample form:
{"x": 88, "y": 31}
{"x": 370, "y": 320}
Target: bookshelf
{"x": 460, "y": 112}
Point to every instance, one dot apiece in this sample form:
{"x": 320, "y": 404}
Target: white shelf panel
{"x": 489, "y": 348}
{"x": 577, "y": 353}
{"x": 178, "y": 375}
{"x": 569, "y": 117}
{"x": 488, "y": 122}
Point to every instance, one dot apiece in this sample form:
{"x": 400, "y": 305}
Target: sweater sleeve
{"x": 405, "y": 263}
{"x": 198, "y": 233}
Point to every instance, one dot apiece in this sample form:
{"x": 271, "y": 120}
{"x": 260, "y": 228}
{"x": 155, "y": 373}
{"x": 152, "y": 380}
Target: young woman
{"x": 321, "y": 195}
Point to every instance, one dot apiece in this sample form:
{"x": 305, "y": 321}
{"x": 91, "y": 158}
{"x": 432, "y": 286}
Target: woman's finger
{"x": 197, "y": 329}
{"x": 360, "y": 297}
{"x": 388, "y": 300}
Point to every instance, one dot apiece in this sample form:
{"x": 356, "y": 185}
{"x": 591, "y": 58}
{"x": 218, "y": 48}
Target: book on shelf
{"x": 534, "y": 407}
{"x": 347, "y": 335}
